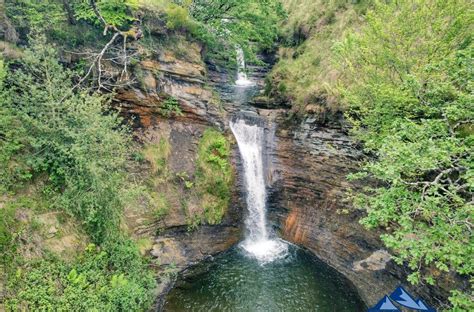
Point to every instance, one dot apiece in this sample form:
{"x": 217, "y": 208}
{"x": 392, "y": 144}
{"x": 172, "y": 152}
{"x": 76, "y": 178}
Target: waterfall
{"x": 259, "y": 242}
{"x": 242, "y": 79}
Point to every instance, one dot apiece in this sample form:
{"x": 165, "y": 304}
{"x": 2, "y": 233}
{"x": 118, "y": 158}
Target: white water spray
{"x": 259, "y": 243}
{"x": 242, "y": 79}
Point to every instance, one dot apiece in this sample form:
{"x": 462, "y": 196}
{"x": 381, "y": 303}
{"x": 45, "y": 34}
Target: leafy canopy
{"x": 72, "y": 138}
{"x": 409, "y": 91}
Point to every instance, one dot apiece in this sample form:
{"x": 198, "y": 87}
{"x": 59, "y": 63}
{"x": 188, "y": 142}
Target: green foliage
{"x": 306, "y": 73}
{"x": 53, "y": 19}
{"x": 8, "y": 229}
{"x": 463, "y": 301}
{"x": 220, "y": 24}
{"x": 171, "y": 107}
{"x": 71, "y": 137}
{"x": 161, "y": 206}
{"x": 184, "y": 178}
{"x": 111, "y": 278}
{"x": 115, "y": 12}
{"x": 251, "y": 24}
{"x": 410, "y": 96}
{"x": 12, "y": 135}
{"x": 177, "y": 17}
{"x": 214, "y": 175}
{"x": 157, "y": 155}
{"x": 44, "y": 15}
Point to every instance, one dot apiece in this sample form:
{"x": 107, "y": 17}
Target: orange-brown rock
{"x": 163, "y": 75}
{"x": 308, "y": 204}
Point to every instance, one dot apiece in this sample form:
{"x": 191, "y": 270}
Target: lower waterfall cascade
{"x": 260, "y": 242}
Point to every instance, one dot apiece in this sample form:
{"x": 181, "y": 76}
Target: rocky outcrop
{"x": 170, "y": 236}
{"x": 309, "y": 207}
{"x": 161, "y": 75}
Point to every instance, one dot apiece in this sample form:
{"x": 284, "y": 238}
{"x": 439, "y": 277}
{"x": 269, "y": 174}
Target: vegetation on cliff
{"x": 76, "y": 147}
{"x": 214, "y": 176}
{"x": 306, "y": 74}
{"x": 65, "y": 154}
{"x": 410, "y": 97}
{"x": 400, "y": 70}
{"x": 402, "y": 73}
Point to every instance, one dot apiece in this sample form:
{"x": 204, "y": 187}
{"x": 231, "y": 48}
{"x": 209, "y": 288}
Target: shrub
{"x": 409, "y": 91}
{"x": 111, "y": 278}
{"x": 214, "y": 175}
{"x": 71, "y": 137}
{"x": 115, "y": 12}
{"x": 177, "y": 17}
{"x": 170, "y": 107}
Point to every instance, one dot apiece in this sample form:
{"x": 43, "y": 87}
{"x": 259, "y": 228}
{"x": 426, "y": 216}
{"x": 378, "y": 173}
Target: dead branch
{"x": 97, "y": 64}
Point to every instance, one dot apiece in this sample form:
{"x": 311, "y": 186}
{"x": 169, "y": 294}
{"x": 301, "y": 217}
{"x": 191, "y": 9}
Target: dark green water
{"x": 234, "y": 282}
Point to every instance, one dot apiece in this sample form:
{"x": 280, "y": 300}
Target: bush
{"x": 71, "y": 137}
{"x": 409, "y": 91}
{"x": 115, "y": 12}
{"x": 170, "y": 107}
{"x": 177, "y": 17}
{"x": 79, "y": 146}
{"x": 111, "y": 278}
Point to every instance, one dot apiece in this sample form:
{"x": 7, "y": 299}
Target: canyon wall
{"x": 309, "y": 206}
{"x": 172, "y": 239}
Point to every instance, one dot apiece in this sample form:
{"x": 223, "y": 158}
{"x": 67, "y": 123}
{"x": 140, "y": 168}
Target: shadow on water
{"x": 234, "y": 282}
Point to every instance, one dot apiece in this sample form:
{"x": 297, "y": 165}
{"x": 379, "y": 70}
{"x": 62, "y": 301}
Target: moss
{"x": 157, "y": 155}
{"x": 214, "y": 176}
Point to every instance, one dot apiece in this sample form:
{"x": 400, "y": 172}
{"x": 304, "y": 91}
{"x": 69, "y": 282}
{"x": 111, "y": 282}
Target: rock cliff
{"x": 170, "y": 236}
{"x": 308, "y": 204}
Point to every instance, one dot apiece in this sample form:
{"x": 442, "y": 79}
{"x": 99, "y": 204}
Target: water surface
{"x": 235, "y": 282}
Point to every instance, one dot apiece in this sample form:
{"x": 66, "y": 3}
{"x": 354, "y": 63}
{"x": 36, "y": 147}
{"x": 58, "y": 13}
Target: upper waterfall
{"x": 242, "y": 79}
{"x": 259, "y": 242}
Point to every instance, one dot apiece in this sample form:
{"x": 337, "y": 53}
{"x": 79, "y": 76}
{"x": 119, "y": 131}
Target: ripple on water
{"x": 235, "y": 282}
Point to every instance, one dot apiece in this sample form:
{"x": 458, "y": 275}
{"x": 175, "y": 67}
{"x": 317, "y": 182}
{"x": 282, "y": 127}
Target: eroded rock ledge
{"x": 308, "y": 205}
{"x": 170, "y": 238}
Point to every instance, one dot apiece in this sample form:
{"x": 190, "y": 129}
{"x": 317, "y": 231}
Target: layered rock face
{"x": 308, "y": 162}
{"x": 308, "y": 205}
{"x": 161, "y": 75}
{"x": 173, "y": 239}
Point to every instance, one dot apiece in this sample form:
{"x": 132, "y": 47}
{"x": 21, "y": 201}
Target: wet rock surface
{"x": 307, "y": 162}
{"x": 308, "y": 205}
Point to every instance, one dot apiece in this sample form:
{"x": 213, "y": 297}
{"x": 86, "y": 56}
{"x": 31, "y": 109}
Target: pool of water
{"x": 233, "y": 281}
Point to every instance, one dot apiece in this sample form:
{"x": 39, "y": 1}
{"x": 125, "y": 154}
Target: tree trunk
{"x": 70, "y": 13}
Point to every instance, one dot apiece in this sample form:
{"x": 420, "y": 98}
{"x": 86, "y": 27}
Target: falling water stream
{"x": 259, "y": 241}
{"x": 263, "y": 273}
{"x": 242, "y": 78}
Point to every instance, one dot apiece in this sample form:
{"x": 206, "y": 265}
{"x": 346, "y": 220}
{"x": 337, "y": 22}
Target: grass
{"x": 157, "y": 155}
{"x": 306, "y": 74}
{"x": 214, "y": 175}
{"x": 161, "y": 205}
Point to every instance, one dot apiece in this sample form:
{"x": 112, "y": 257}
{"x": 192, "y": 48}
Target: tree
{"x": 251, "y": 24}
{"x": 409, "y": 91}
{"x": 72, "y": 137}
